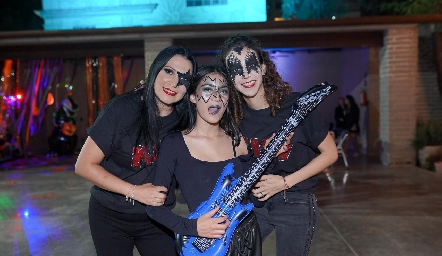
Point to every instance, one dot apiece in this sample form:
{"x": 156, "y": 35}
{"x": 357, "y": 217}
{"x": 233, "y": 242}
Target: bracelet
{"x": 130, "y": 196}
{"x": 285, "y": 189}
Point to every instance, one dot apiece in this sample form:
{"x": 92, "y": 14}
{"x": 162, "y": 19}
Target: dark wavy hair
{"x": 353, "y": 104}
{"x": 226, "y": 123}
{"x": 149, "y": 123}
{"x": 275, "y": 87}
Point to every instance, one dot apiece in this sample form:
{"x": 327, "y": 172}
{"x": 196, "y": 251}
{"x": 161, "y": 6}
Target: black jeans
{"x": 246, "y": 239}
{"x": 116, "y": 233}
{"x": 295, "y": 222}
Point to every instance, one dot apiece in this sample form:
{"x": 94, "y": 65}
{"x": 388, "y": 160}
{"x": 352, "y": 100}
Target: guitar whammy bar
{"x": 228, "y": 191}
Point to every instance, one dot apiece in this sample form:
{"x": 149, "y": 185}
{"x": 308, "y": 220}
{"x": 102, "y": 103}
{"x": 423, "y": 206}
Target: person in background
{"x": 339, "y": 117}
{"x": 119, "y": 154}
{"x": 351, "y": 124}
{"x": 265, "y": 101}
{"x": 63, "y": 139}
{"x": 196, "y": 156}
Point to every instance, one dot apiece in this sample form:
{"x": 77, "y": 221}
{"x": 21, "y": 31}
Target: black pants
{"x": 116, "y": 233}
{"x": 246, "y": 240}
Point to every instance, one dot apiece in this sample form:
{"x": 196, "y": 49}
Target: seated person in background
{"x": 63, "y": 139}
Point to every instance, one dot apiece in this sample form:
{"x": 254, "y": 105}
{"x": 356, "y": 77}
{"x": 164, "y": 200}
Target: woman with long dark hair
{"x": 195, "y": 158}
{"x": 119, "y": 154}
{"x": 351, "y": 122}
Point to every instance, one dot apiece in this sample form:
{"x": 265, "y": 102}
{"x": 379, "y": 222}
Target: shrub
{"x": 427, "y": 134}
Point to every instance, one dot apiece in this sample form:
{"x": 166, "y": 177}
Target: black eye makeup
{"x": 252, "y": 63}
{"x": 235, "y": 66}
{"x": 168, "y": 70}
{"x": 184, "y": 79}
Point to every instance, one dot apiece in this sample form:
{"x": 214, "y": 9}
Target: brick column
{"x": 151, "y": 49}
{"x": 373, "y": 142}
{"x": 398, "y": 81}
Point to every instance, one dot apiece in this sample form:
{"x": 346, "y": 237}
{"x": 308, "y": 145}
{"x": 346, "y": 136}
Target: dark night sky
{"x": 19, "y": 15}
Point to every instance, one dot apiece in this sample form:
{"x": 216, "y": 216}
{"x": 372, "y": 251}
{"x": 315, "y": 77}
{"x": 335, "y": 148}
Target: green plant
{"x": 430, "y": 162}
{"x": 412, "y": 7}
{"x": 427, "y": 134}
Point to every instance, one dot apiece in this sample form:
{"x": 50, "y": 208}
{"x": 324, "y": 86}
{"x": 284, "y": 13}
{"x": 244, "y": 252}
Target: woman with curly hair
{"x": 263, "y": 101}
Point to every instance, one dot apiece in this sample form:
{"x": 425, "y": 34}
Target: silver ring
{"x": 262, "y": 195}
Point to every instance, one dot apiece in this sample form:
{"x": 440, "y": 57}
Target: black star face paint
{"x": 252, "y": 63}
{"x": 184, "y": 79}
{"x": 209, "y": 89}
{"x": 234, "y": 67}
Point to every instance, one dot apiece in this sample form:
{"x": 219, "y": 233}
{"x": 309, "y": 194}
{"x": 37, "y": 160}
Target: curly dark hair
{"x": 275, "y": 87}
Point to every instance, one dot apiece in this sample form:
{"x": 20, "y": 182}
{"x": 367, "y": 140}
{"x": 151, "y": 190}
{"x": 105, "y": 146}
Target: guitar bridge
{"x": 202, "y": 243}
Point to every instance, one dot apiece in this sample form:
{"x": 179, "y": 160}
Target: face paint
{"x": 252, "y": 63}
{"x": 184, "y": 79}
{"x": 209, "y": 89}
{"x": 167, "y": 87}
{"x": 235, "y": 66}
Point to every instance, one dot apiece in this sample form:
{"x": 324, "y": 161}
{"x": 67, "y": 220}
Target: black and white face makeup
{"x": 235, "y": 65}
{"x": 246, "y": 72}
{"x": 213, "y": 86}
{"x": 211, "y": 98}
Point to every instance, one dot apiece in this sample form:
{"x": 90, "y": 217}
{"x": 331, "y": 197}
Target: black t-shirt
{"x": 196, "y": 179}
{"x": 258, "y": 125}
{"x": 115, "y": 132}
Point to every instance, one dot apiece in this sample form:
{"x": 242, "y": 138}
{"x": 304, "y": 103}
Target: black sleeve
{"x": 164, "y": 176}
{"x": 315, "y": 127}
{"x": 112, "y": 119}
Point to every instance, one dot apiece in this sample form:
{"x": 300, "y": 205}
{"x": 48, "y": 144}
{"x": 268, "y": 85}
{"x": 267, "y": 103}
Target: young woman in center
{"x": 196, "y": 156}
{"x": 265, "y": 102}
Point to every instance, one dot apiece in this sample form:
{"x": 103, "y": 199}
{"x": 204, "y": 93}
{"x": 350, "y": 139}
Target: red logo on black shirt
{"x": 256, "y": 147}
{"x": 141, "y": 153}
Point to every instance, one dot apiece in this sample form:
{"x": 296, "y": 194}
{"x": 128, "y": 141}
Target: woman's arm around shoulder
{"x": 88, "y": 166}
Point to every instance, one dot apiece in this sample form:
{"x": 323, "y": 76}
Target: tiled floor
{"x": 367, "y": 209}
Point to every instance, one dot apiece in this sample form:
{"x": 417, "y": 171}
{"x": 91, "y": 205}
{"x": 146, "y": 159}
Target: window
{"x": 205, "y": 2}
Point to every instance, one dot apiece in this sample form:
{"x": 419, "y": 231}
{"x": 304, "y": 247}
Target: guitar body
{"x": 188, "y": 245}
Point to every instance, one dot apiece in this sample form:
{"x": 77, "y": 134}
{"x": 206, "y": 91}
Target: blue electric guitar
{"x": 228, "y": 191}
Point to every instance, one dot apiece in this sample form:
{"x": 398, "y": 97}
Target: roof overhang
{"x": 324, "y": 33}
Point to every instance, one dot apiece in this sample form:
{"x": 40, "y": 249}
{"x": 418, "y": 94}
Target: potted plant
{"x": 428, "y": 142}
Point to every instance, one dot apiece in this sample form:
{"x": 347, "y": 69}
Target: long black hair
{"x": 227, "y": 122}
{"x": 149, "y": 125}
